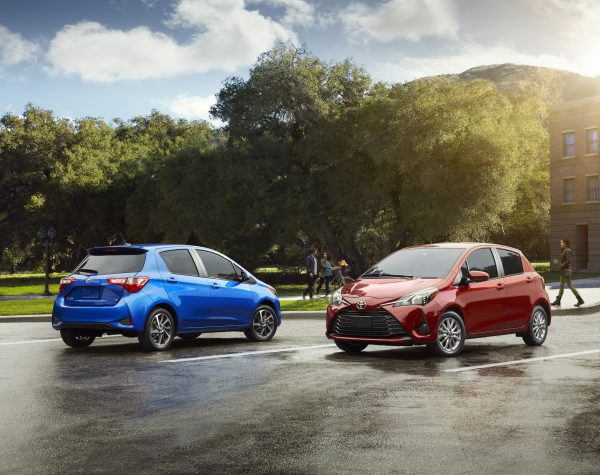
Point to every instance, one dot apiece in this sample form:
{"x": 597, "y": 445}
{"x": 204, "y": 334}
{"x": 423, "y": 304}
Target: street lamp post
{"x": 47, "y": 238}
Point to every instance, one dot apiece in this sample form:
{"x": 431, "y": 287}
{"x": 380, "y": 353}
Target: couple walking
{"x": 317, "y": 269}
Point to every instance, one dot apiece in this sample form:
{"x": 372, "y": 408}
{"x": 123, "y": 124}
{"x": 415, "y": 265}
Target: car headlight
{"x": 336, "y": 297}
{"x": 421, "y": 297}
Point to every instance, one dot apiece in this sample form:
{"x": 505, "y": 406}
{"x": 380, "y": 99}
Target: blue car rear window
{"x": 111, "y": 264}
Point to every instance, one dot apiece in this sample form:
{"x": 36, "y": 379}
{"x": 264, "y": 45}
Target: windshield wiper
{"x": 89, "y": 271}
{"x": 385, "y": 274}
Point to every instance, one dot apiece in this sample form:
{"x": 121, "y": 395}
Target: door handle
{"x": 499, "y": 285}
{"x": 172, "y": 280}
{"x": 529, "y": 279}
{"x": 215, "y": 285}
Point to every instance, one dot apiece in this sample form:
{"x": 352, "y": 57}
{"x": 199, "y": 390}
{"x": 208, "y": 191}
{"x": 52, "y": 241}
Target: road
{"x": 303, "y": 407}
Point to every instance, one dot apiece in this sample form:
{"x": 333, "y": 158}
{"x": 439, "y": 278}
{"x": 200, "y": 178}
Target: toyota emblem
{"x": 361, "y": 304}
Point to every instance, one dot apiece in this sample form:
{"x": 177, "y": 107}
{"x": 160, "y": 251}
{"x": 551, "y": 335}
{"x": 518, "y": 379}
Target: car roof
{"x": 464, "y": 245}
{"x": 150, "y": 246}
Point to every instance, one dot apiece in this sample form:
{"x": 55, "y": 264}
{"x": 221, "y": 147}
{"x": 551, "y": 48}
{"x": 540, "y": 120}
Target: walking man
{"x": 565, "y": 273}
{"x": 312, "y": 267}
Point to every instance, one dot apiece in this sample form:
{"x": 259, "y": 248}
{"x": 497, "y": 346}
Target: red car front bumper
{"x": 417, "y": 324}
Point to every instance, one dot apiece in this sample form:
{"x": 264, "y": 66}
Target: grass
{"x": 24, "y": 284}
{"x": 26, "y": 307}
{"x": 43, "y": 306}
{"x": 541, "y": 266}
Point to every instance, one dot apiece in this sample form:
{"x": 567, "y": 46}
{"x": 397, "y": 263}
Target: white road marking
{"x": 25, "y": 342}
{"x": 513, "y": 362}
{"x": 248, "y": 353}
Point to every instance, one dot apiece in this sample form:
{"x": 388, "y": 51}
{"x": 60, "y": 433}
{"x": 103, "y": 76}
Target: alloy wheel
{"x": 264, "y": 323}
{"x": 449, "y": 335}
{"x": 539, "y": 325}
{"x": 161, "y": 330}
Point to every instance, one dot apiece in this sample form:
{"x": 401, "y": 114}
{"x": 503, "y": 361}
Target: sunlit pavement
{"x": 299, "y": 405}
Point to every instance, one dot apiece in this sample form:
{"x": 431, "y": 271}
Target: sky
{"x": 123, "y": 58}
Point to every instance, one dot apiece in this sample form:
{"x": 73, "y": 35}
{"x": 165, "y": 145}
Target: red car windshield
{"x": 418, "y": 262}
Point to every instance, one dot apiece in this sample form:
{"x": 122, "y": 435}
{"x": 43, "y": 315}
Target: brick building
{"x": 574, "y": 181}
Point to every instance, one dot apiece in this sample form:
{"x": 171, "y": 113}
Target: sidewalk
{"x": 591, "y": 296}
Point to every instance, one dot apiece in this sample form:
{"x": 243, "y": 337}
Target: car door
{"x": 519, "y": 286}
{"x": 189, "y": 291}
{"x": 232, "y": 301}
{"x": 485, "y": 301}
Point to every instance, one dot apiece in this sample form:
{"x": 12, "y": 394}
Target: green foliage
{"x": 312, "y": 153}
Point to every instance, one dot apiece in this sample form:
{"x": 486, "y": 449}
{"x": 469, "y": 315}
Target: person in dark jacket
{"x": 566, "y": 273}
{"x": 312, "y": 269}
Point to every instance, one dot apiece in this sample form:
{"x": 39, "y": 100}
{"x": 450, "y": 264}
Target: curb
{"x": 585, "y": 310}
{"x": 46, "y": 318}
{"x": 26, "y": 318}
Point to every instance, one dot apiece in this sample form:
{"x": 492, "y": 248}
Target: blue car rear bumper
{"x": 103, "y": 317}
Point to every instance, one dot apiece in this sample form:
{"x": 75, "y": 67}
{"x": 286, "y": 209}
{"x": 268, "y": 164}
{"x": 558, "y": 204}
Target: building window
{"x": 569, "y": 190}
{"x": 592, "y": 140}
{"x": 593, "y": 188}
{"x": 569, "y": 144}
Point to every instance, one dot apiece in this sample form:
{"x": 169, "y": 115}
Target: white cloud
{"x": 190, "y": 107}
{"x": 225, "y": 36}
{"x": 401, "y": 19}
{"x": 297, "y": 12}
{"x": 469, "y": 56}
{"x": 14, "y": 49}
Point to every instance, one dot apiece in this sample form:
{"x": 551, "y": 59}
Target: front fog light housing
{"x": 336, "y": 297}
{"x": 421, "y": 297}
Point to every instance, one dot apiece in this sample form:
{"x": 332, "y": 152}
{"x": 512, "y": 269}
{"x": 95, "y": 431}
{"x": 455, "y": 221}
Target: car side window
{"x": 511, "y": 261}
{"x": 216, "y": 266}
{"x": 179, "y": 262}
{"x": 483, "y": 260}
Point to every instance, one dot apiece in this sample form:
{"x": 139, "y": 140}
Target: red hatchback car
{"x": 439, "y": 295}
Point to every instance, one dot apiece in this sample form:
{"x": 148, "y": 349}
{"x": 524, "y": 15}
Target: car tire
{"x": 451, "y": 335}
{"x": 77, "y": 338}
{"x": 351, "y": 346}
{"x": 264, "y": 324}
{"x": 159, "y": 330}
{"x": 189, "y": 336}
{"x": 537, "y": 330}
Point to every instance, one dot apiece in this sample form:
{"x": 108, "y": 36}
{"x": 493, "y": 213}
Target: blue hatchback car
{"x": 159, "y": 291}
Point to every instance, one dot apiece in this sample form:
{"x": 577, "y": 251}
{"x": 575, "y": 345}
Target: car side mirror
{"x": 243, "y": 277}
{"x": 478, "y": 276}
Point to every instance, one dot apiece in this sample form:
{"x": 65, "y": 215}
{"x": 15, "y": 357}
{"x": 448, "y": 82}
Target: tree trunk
{"x": 342, "y": 250}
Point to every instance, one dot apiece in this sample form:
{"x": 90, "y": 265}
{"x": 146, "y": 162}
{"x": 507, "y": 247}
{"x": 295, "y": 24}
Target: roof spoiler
{"x": 115, "y": 250}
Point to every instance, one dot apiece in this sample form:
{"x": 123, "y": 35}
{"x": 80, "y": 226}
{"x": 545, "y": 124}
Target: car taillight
{"x": 130, "y": 284}
{"x": 64, "y": 282}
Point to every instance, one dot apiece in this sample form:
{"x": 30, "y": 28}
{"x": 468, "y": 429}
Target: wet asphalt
{"x": 112, "y": 408}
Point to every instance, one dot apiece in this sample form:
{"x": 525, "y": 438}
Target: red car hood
{"x": 386, "y": 288}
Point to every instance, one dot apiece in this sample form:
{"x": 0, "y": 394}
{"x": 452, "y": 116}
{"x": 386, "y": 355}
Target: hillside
{"x": 556, "y": 85}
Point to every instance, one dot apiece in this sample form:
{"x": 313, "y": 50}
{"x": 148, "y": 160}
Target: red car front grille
{"x": 368, "y": 324}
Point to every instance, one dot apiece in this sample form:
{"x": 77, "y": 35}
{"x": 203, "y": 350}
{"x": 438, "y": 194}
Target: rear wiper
{"x": 89, "y": 271}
